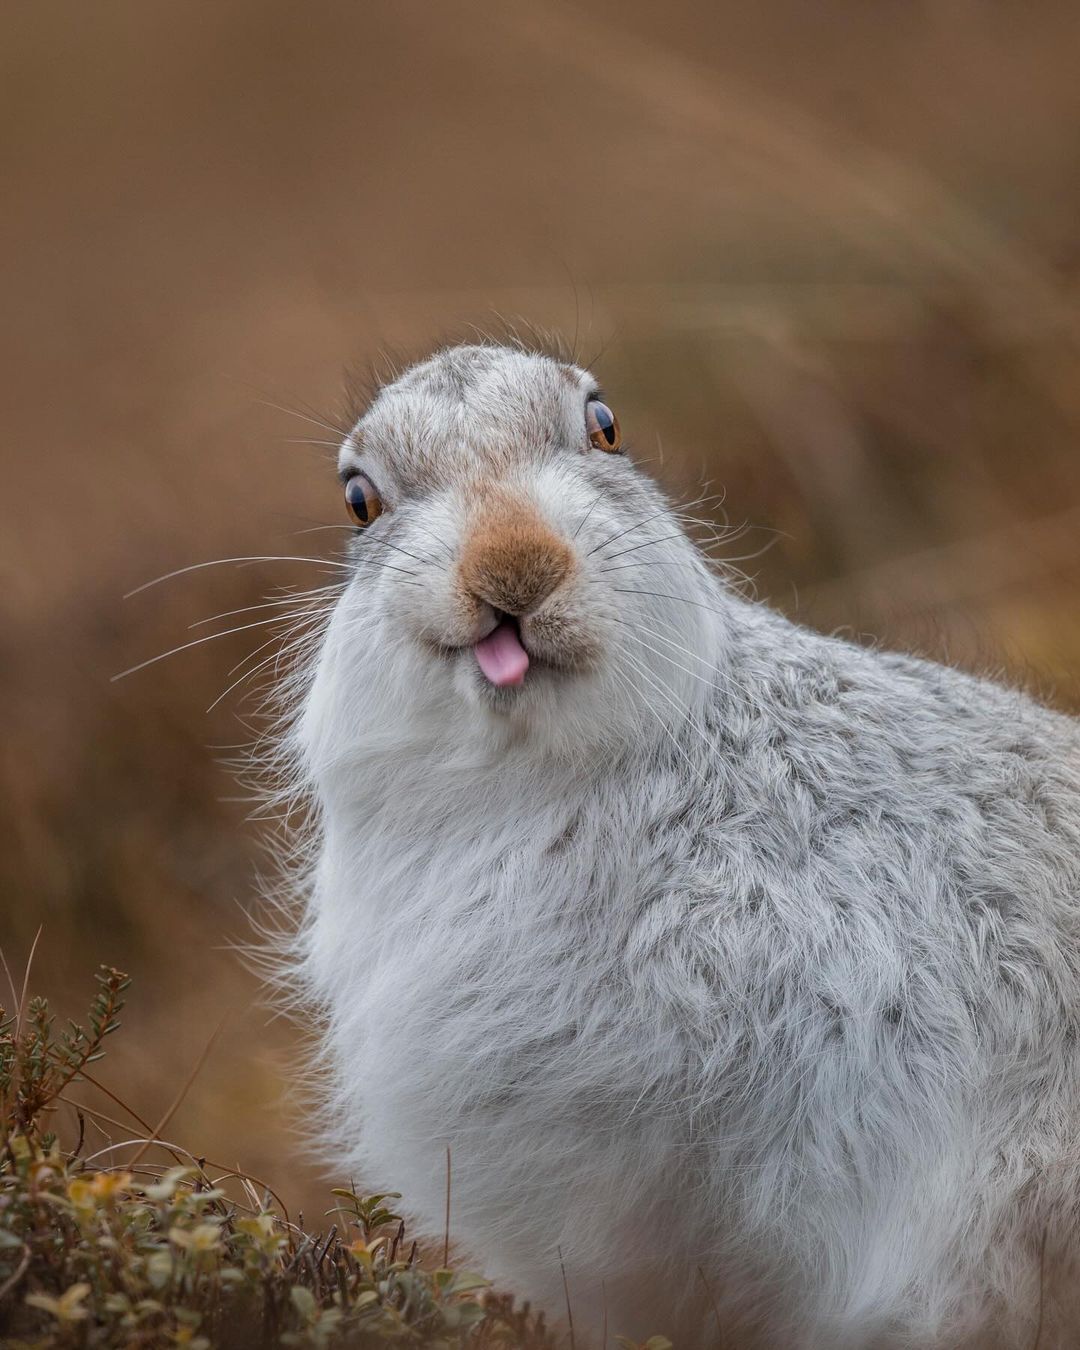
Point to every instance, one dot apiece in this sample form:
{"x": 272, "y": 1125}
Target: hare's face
{"x": 513, "y": 570}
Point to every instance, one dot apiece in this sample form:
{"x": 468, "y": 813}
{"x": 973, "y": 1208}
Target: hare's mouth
{"x": 518, "y": 652}
{"x": 501, "y": 655}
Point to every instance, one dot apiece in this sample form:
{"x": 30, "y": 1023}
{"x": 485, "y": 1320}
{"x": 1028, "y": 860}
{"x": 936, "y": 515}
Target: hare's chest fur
{"x": 486, "y": 974}
{"x": 524, "y": 990}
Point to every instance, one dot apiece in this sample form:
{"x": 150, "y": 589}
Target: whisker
{"x": 388, "y": 543}
{"x": 645, "y": 519}
{"x": 660, "y": 595}
{"x": 694, "y": 674}
{"x": 314, "y": 529}
{"x": 668, "y": 732}
{"x": 441, "y": 542}
{"x": 721, "y": 682}
{"x": 295, "y": 645}
{"x": 276, "y": 637}
{"x": 658, "y": 687}
{"x": 385, "y": 566}
{"x": 757, "y": 553}
{"x": 635, "y": 525}
{"x": 220, "y": 562}
{"x": 185, "y": 646}
{"x": 374, "y": 543}
{"x": 297, "y": 599}
{"x": 587, "y": 514}
{"x": 656, "y": 562}
{"x": 305, "y": 417}
{"x": 647, "y": 544}
{"x": 635, "y": 628}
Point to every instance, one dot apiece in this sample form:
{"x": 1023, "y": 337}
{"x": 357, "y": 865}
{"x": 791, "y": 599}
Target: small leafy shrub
{"x": 162, "y": 1255}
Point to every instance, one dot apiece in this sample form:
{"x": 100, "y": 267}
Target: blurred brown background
{"x": 824, "y": 256}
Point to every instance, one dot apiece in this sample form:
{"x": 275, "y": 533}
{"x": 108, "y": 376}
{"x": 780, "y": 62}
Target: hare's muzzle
{"x": 512, "y": 561}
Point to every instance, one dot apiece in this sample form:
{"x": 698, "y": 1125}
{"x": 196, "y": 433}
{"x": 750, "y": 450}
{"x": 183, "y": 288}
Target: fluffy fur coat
{"x": 737, "y": 964}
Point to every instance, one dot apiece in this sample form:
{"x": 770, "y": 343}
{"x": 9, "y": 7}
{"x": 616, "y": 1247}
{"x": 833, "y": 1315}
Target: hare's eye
{"x": 602, "y": 426}
{"x": 363, "y": 500}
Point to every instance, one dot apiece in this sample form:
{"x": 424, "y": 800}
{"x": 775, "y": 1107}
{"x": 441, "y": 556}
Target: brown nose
{"x": 513, "y": 560}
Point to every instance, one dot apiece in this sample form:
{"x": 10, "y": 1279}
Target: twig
{"x": 178, "y": 1099}
{"x": 122, "y": 1104}
{"x": 716, "y": 1311}
{"x": 20, "y": 1008}
{"x": 82, "y": 1134}
{"x": 1042, "y": 1288}
{"x": 11, "y": 985}
{"x": 446, "y": 1232}
{"x": 26, "y": 981}
{"x": 20, "y": 1270}
{"x": 171, "y": 1148}
{"x": 566, "y": 1292}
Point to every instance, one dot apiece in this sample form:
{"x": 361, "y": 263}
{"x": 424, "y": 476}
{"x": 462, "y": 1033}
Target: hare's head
{"x": 515, "y": 576}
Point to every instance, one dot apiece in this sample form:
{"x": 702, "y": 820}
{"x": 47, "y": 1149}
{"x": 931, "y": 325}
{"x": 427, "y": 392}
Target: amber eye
{"x": 363, "y": 500}
{"x": 602, "y": 426}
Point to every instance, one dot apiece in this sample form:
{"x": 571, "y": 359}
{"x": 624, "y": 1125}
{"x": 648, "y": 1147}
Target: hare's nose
{"x": 512, "y": 560}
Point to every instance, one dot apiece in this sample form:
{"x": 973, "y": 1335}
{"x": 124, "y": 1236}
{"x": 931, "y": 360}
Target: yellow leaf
{"x": 81, "y": 1193}
{"x": 67, "y": 1308}
{"x": 107, "y": 1185}
{"x": 204, "y": 1237}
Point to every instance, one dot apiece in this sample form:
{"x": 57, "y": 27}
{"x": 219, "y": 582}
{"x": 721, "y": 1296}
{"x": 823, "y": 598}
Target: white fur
{"x": 739, "y": 964}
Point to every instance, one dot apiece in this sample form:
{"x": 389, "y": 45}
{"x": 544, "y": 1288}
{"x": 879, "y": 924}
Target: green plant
{"x": 182, "y": 1253}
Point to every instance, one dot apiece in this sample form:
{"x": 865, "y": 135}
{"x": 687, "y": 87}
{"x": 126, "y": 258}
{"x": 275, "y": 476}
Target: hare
{"x": 737, "y": 967}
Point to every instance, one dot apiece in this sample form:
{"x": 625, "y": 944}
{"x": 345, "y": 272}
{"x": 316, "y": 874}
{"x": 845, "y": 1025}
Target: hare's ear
{"x": 602, "y": 427}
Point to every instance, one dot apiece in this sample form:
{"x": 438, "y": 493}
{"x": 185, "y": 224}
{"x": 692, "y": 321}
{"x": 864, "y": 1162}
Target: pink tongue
{"x": 501, "y": 656}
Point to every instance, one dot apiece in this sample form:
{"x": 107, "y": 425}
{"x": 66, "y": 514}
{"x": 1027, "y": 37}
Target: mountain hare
{"x": 737, "y": 967}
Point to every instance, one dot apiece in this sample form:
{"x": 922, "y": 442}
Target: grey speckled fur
{"x": 720, "y": 944}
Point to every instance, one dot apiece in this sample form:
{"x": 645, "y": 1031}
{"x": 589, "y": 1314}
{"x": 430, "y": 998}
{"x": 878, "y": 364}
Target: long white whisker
{"x": 185, "y": 646}
{"x": 664, "y": 690}
{"x": 677, "y": 646}
{"x": 220, "y": 562}
{"x": 668, "y": 732}
{"x": 296, "y": 622}
{"x": 304, "y": 417}
{"x": 694, "y": 674}
{"x": 686, "y": 651}
{"x": 749, "y": 557}
{"x": 300, "y": 598}
{"x": 721, "y": 680}
{"x": 294, "y": 645}
{"x": 668, "y": 698}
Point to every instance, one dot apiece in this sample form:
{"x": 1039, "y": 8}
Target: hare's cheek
{"x": 435, "y": 611}
{"x": 567, "y": 631}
